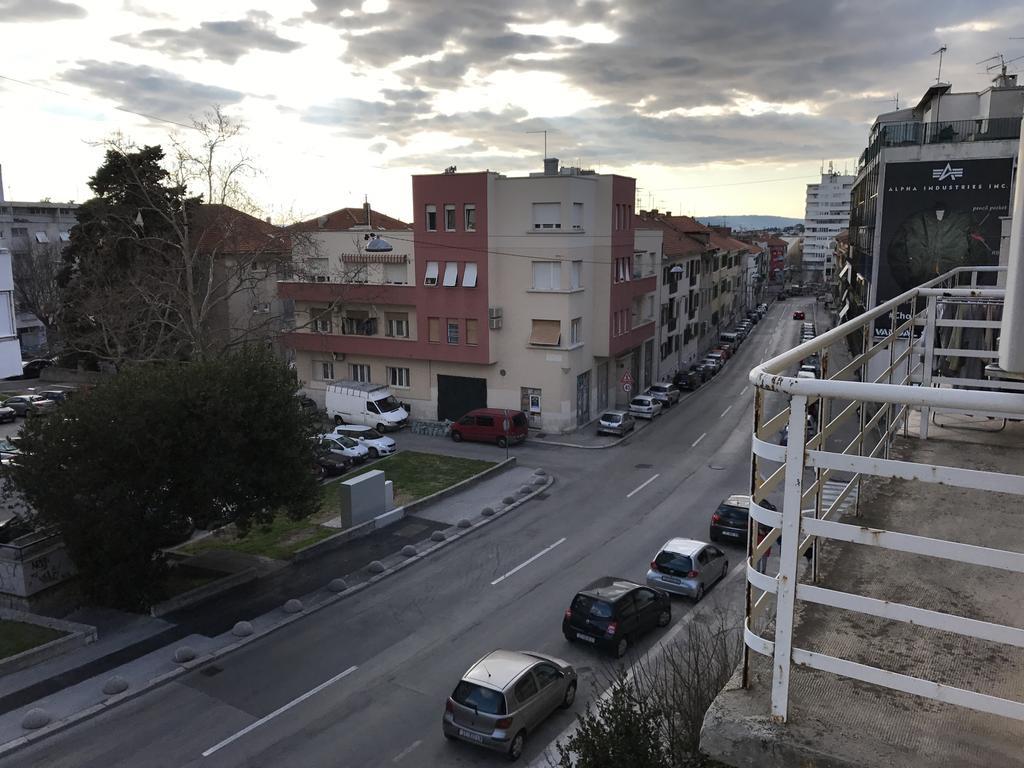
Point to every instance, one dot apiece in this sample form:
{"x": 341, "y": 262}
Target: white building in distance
{"x": 826, "y": 214}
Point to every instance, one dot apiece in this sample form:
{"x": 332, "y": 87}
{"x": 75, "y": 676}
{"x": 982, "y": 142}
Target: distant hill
{"x": 745, "y": 223}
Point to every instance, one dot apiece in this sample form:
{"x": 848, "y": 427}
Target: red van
{"x": 487, "y": 425}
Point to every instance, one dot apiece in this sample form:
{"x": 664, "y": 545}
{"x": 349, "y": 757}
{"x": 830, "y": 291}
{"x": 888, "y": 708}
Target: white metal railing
{"x": 907, "y": 369}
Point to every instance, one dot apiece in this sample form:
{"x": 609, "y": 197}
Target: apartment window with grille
{"x": 397, "y": 325}
{"x": 398, "y": 377}
{"x": 322, "y": 321}
{"x": 469, "y": 217}
{"x": 453, "y": 331}
{"x": 472, "y": 326}
{"x": 360, "y": 372}
{"x": 434, "y": 329}
{"x": 576, "y": 330}
{"x": 431, "y": 218}
{"x": 547, "y": 275}
{"x": 323, "y": 370}
{"x": 449, "y": 218}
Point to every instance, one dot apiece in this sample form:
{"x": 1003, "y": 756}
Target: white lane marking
{"x": 405, "y": 752}
{"x": 527, "y": 562}
{"x": 703, "y": 435}
{"x": 642, "y": 485}
{"x": 744, "y": 391}
{"x": 725, "y": 412}
{"x": 278, "y": 711}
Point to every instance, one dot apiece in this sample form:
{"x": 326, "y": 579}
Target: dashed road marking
{"x": 527, "y": 562}
{"x": 642, "y": 485}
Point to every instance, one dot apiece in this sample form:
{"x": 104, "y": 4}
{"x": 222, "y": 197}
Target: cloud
{"x": 225, "y": 41}
{"x": 38, "y": 10}
{"x": 147, "y": 90}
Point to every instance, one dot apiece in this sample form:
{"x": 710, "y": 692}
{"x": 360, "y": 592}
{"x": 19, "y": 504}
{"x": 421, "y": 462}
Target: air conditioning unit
{"x": 336, "y": 356}
{"x": 494, "y": 323}
{"x": 494, "y": 312}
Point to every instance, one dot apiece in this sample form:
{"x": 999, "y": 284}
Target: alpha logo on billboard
{"x": 941, "y": 174}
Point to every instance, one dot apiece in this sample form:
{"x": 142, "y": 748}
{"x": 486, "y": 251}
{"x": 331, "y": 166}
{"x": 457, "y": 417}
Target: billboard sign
{"x": 937, "y": 216}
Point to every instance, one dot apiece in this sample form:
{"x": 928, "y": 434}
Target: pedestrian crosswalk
{"x": 831, "y": 492}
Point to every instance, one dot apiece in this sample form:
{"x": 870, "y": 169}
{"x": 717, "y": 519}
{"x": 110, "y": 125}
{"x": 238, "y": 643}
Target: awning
{"x": 430, "y": 277}
{"x": 469, "y": 275}
{"x": 547, "y": 333}
{"x": 374, "y": 258}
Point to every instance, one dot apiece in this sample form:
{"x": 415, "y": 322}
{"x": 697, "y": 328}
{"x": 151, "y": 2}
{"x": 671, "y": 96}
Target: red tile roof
{"x": 345, "y": 219}
{"x": 222, "y": 229}
{"x": 681, "y": 235}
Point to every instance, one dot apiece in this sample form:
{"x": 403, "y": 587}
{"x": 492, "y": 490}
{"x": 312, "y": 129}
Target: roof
{"x": 345, "y": 219}
{"x": 362, "y": 386}
{"x": 681, "y": 235}
{"x": 499, "y": 668}
{"x": 776, "y": 240}
{"x": 729, "y": 243}
{"x": 609, "y": 588}
{"x": 683, "y": 546}
{"x": 223, "y": 229}
{"x": 738, "y": 500}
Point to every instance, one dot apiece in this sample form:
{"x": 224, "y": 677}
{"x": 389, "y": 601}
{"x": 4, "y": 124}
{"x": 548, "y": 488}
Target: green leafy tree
{"x": 128, "y": 467}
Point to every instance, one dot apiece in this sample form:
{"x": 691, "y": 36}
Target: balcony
{"x": 884, "y": 632}
{"x": 942, "y": 132}
{"x": 358, "y": 293}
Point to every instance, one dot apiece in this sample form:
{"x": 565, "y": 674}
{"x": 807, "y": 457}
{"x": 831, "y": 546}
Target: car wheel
{"x": 381, "y": 428}
{"x": 456, "y": 436}
{"x": 502, "y": 442}
{"x": 665, "y": 617}
{"x": 374, "y": 453}
{"x": 621, "y": 648}
{"x": 569, "y": 697}
{"x": 448, "y": 735}
{"x": 515, "y": 749}
{"x": 699, "y": 595}
{"x": 338, "y": 421}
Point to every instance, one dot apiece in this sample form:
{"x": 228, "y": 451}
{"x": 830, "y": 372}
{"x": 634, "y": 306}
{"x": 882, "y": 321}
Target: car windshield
{"x": 732, "y": 513}
{"x": 346, "y": 442}
{"x": 6, "y": 446}
{"x": 479, "y": 698}
{"x": 591, "y": 607}
{"x": 640, "y": 401}
{"x": 519, "y": 420}
{"x": 658, "y": 390}
{"x": 388, "y": 404}
{"x": 370, "y": 434}
{"x": 612, "y": 418}
{"x": 674, "y": 561}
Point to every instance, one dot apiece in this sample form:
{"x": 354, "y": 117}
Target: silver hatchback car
{"x": 687, "y": 567}
{"x": 504, "y": 696}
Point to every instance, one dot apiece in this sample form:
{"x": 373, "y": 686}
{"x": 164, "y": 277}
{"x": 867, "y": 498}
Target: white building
{"x": 10, "y": 348}
{"x": 827, "y": 213}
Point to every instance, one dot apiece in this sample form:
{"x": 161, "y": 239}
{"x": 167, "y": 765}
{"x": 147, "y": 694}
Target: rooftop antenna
{"x": 545, "y": 132}
{"x": 940, "y": 51}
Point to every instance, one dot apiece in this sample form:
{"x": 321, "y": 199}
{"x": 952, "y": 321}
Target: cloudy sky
{"x": 715, "y": 107}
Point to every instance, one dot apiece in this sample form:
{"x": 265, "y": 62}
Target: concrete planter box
{"x": 77, "y": 636}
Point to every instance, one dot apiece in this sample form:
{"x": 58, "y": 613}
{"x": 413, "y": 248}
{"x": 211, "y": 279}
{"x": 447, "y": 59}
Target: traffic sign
{"x": 627, "y": 378}
{"x": 627, "y": 387}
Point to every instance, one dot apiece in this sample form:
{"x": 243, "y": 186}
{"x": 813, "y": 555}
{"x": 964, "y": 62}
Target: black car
{"x": 31, "y": 369}
{"x": 613, "y": 613}
{"x": 729, "y": 522}
{"x": 689, "y": 380}
{"x": 327, "y": 463}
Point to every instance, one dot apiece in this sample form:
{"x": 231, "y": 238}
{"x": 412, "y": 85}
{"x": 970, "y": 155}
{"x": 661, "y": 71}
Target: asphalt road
{"x": 363, "y": 682}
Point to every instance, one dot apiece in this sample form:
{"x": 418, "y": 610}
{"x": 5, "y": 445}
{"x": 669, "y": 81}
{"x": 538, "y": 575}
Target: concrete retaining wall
{"x": 203, "y": 593}
{"x": 77, "y": 636}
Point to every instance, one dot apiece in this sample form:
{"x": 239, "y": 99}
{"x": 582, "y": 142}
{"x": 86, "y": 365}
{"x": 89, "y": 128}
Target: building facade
{"x": 525, "y": 293}
{"x": 931, "y": 188}
{"x": 827, "y": 213}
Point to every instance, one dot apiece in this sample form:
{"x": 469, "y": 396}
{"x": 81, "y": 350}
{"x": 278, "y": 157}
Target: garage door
{"x": 458, "y": 394}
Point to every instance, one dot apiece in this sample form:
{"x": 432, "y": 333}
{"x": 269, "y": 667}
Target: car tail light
{"x": 568, "y": 613}
{"x": 613, "y": 627}
{"x": 716, "y": 518}
{"x": 654, "y": 566}
{"x": 693, "y": 574}
{"x": 504, "y": 723}
{"x": 449, "y": 706}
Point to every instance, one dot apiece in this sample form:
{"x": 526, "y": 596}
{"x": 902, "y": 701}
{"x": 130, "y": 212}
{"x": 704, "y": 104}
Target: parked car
{"x": 645, "y": 406}
{"x": 691, "y": 378}
{"x": 59, "y": 396}
{"x": 376, "y": 443}
{"x": 7, "y": 414}
{"x": 729, "y": 522}
{"x": 31, "y": 369}
{"x": 487, "y": 425}
{"x": 798, "y": 314}
{"x": 687, "y": 567}
{"x": 720, "y": 355}
{"x": 360, "y": 402}
{"x": 729, "y": 337}
{"x": 713, "y": 364}
{"x": 615, "y": 423}
{"x": 666, "y": 392}
{"x": 808, "y": 369}
{"x": 813, "y": 363}
{"x": 724, "y": 350}
{"x": 23, "y": 404}
{"x": 327, "y": 463}
{"x": 344, "y": 446}
{"x": 612, "y": 614}
{"x": 810, "y": 429}
{"x": 506, "y": 695}
{"x": 8, "y": 451}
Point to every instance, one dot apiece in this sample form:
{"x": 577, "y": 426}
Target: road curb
{"x": 65, "y": 723}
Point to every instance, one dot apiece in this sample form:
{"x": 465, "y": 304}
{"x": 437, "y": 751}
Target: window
{"x": 469, "y": 217}
{"x": 41, "y": 237}
{"x": 261, "y": 308}
{"x": 576, "y": 330}
{"x": 449, "y": 218}
{"x": 547, "y": 215}
{"x": 451, "y": 273}
{"x": 360, "y": 372}
{"x": 577, "y": 216}
{"x": 396, "y": 274}
{"x": 526, "y": 688}
{"x": 644, "y": 597}
{"x": 430, "y": 276}
{"x": 398, "y": 377}
{"x": 397, "y": 324}
{"x": 434, "y": 329}
{"x": 359, "y": 274}
{"x": 617, "y": 324}
{"x": 546, "y": 333}
{"x": 469, "y": 275}
{"x": 323, "y": 370}
{"x": 576, "y": 276}
{"x": 322, "y": 320}
{"x": 19, "y": 231}
{"x": 547, "y": 275}
{"x": 65, "y": 237}
{"x": 358, "y": 323}
{"x": 472, "y": 324}
{"x": 453, "y": 331}
{"x": 431, "y": 218}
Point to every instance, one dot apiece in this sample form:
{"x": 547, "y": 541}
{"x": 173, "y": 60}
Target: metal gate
{"x": 583, "y": 398}
{"x": 648, "y": 362}
{"x": 458, "y": 394}
{"x": 602, "y": 386}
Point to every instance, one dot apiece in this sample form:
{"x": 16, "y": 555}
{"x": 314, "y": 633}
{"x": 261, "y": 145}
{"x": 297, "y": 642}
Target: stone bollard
{"x": 525, "y": 489}
{"x": 464, "y": 523}
{"x": 338, "y": 585}
{"x": 376, "y": 567}
{"x": 487, "y": 511}
{"x": 115, "y": 685}
{"x": 183, "y": 654}
{"x": 437, "y": 536}
{"x": 242, "y": 629}
{"x": 540, "y": 472}
{"x": 35, "y": 718}
{"x": 293, "y": 606}
{"x": 540, "y": 480}
{"x": 508, "y": 500}
{"x": 409, "y": 551}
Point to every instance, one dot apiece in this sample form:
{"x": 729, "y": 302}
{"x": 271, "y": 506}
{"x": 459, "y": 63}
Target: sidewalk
{"x": 142, "y": 651}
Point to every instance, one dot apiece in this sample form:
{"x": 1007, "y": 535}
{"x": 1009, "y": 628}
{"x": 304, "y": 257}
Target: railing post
{"x": 788, "y": 545}
{"x": 751, "y": 539}
{"x": 824, "y": 416}
{"x": 892, "y": 363}
{"x": 929, "y": 361}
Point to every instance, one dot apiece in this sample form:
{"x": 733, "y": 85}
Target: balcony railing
{"x": 941, "y": 132}
{"x": 877, "y": 391}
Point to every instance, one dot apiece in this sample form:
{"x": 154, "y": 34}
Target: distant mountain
{"x": 745, "y": 223}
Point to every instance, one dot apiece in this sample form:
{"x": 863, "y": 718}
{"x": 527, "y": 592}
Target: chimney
{"x": 550, "y": 166}
{"x": 268, "y": 219}
{"x": 366, "y": 211}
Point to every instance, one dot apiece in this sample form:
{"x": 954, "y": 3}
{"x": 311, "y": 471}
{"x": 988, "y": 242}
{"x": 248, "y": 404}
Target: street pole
{"x": 506, "y": 425}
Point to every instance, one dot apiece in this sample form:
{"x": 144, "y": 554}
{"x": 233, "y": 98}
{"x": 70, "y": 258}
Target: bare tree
{"x": 36, "y": 286}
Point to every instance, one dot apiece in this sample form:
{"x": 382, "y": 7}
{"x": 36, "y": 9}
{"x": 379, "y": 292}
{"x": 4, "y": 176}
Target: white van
{"x": 360, "y": 402}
